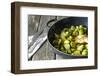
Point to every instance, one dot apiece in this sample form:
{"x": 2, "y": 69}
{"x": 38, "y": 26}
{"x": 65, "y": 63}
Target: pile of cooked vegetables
{"x": 72, "y": 40}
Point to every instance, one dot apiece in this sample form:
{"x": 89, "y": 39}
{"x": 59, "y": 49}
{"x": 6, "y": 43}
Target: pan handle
{"x": 52, "y": 20}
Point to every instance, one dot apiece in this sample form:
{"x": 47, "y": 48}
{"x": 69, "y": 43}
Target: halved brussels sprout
{"x": 80, "y": 48}
{"x": 81, "y": 32}
{"x": 86, "y": 46}
{"x": 85, "y": 52}
{"x": 63, "y": 36}
{"x": 73, "y": 44}
{"x": 76, "y": 53}
{"x": 62, "y": 48}
{"x": 70, "y": 38}
{"x": 66, "y": 41}
{"x": 72, "y": 49}
{"x": 69, "y": 52}
{"x": 67, "y": 46}
{"x": 75, "y": 33}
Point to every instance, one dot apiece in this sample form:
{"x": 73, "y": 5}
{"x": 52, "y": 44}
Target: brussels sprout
{"x": 77, "y": 27}
{"x": 80, "y": 27}
{"x": 76, "y": 52}
{"x": 84, "y": 52}
{"x": 86, "y": 46}
{"x": 70, "y": 38}
{"x": 81, "y": 32}
{"x": 66, "y": 41}
{"x": 62, "y": 48}
{"x": 72, "y": 28}
{"x": 67, "y": 46}
{"x": 80, "y": 48}
{"x": 72, "y": 49}
{"x": 75, "y": 33}
{"x": 73, "y": 44}
{"x": 85, "y": 29}
{"x": 63, "y": 36}
{"x": 67, "y": 34}
{"x": 69, "y": 52}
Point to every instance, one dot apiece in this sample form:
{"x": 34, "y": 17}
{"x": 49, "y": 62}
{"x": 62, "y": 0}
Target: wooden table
{"x": 44, "y": 53}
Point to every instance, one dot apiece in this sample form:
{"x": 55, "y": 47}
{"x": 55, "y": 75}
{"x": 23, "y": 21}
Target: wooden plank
{"x": 33, "y": 22}
{"x": 43, "y": 53}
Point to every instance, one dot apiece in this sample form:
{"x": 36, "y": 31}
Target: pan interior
{"x": 66, "y": 23}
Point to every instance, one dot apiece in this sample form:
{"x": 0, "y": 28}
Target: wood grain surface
{"x": 40, "y": 22}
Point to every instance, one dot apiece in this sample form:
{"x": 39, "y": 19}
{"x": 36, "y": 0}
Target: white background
{"x": 5, "y": 38}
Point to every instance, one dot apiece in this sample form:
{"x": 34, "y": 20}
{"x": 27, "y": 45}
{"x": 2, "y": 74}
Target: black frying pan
{"x": 59, "y": 26}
